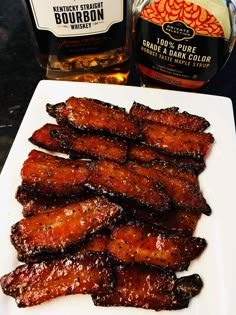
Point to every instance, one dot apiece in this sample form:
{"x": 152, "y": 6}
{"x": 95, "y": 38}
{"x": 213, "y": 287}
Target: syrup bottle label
{"x": 179, "y": 43}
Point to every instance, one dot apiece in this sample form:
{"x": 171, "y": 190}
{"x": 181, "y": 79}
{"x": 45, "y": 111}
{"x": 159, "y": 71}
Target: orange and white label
{"x": 179, "y": 42}
{"x": 194, "y": 16}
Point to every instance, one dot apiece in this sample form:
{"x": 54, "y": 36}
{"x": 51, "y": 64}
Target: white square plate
{"x": 216, "y": 265}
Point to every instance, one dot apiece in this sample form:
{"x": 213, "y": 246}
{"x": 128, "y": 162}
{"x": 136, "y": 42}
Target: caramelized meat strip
{"x": 84, "y": 145}
{"x": 53, "y": 175}
{"x": 145, "y": 154}
{"x": 62, "y": 229}
{"x": 183, "y": 194}
{"x": 55, "y": 111}
{"x": 116, "y": 180}
{"x": 169, "y": 116}
{"x": 150, "y": 288}
{"x": 139, "y": 243}
{"x": 62, "y": 139}
{"x": 175, "y": 170}
{"x": 94, "y": 115}
{"x": 96, "y": 243}
{"x": 176, "y": 141}
{"x": 43, "y": 139}
{"x": 34, "y": 203}
{"x": 32, "y": 284}
{"x": 178, "y": 220}
{"x": 23, "y": 196}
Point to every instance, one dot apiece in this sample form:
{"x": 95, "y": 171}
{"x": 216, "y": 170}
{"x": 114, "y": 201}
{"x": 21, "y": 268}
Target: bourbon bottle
{"x": 82, "y": 40}
{"x": 181, "y": 44}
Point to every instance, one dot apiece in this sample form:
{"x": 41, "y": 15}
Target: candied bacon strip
{"x": 33, "y": 203}
{"x": 61, "y": 229}
{"x": 96, "y": 243}
{"x": 169, "y": 116}
{"x": 33, "y": 284}
{"x": 23, "y": 196}
{"x": 117, "y": 180}
{"x": 149, "y": 287}
{"x": 174, "y": 170}
{"x": 62, "y": 139}
{"x": 55, "y": 111}
{"x": 94, "y": 115}
{"x": 183, "y": 194}
{"x": 176, "y": 141}
{"x": 144, "y": 244}
{"x": 178, "y": 220}
{"x": 42, "y": 137}
{"x": 84, "y": 145}
{"x": 145, "y": 154}
{"x": 53, "y": 175}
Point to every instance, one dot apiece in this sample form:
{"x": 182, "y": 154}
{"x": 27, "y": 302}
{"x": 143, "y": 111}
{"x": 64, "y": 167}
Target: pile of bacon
{"x": 114, "y": 215}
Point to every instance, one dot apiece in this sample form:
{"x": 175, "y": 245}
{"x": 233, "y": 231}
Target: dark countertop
{"x": 20, "y": 73}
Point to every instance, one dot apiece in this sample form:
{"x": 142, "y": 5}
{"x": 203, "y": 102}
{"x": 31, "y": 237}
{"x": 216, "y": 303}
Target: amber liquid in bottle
{"x": 112, "y": 66}
{"x": 102, "y": 57}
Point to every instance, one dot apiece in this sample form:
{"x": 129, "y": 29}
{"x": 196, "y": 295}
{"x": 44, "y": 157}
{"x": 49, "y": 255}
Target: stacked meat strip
{"x": 115, "y": 216}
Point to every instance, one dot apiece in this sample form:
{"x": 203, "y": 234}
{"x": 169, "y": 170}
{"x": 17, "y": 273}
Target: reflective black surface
{"x": 20, "y": 73}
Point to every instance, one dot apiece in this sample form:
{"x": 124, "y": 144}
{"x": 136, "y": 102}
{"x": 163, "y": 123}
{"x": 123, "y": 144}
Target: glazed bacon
{"x": 82, "y": 145}
{"x": 108, "y": 225}
{"x": 144, "y": 244}
{"x": 94, "y": 115}
{"x": 63, "y": 139}
{"x": 178, "y": 220}
{"x": 97, "y": 242}
{"x": 169, "y": 116}
{"x": 55, "y": 111}
{"x": 61, "y": 229}
{"x": 176, "y": 141}
{"x": 140, "y": 152}
{"x": 53, "y": 175}
{"x": 33, "y": 203}
{"x": 32, "y": 284}
{"x": 183, "y": 193}
{"x": 111, "y": 178}
{"x": 174, "y": 170}
{"x": 149, "y": 288}
{"x": 42, "y": 137}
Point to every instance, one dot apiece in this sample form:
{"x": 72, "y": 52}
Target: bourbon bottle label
{"x": 71, "y": 28}
{"x": 68, "y": 18}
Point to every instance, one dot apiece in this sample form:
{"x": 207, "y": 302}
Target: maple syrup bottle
{"x": 181, "y": 44}
{"x": 82, "y": 40}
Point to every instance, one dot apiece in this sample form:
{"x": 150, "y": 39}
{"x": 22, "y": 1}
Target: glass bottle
{"x": 82, "y": 40}
{"x": 181, "y": 44}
